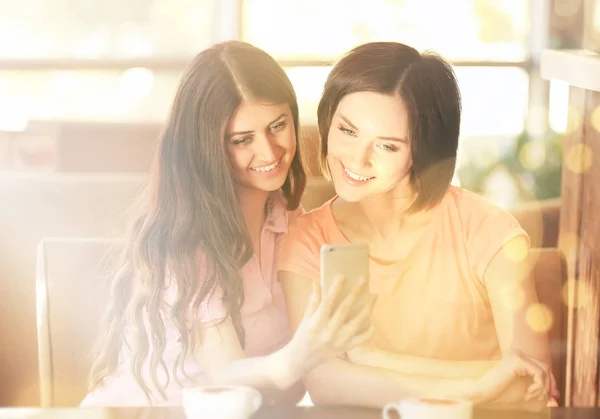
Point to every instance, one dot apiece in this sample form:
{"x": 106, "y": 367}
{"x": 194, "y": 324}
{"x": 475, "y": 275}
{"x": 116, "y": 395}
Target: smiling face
{"x": 368, "y": 146}
{"x": 261, "y": 143}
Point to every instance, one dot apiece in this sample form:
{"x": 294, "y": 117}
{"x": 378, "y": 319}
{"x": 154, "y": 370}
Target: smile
{"x": 268, "y": 168}
{"x": 355, "y": 176}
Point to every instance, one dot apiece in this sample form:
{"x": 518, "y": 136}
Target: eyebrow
{"x": 347, "y": 121}
{"x": 233, "y": 134}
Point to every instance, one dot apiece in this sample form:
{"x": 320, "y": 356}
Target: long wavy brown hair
{"x": 190, "y": 208}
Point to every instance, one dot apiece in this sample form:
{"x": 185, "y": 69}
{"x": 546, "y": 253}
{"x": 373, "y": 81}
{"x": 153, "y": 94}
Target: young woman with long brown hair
{"x": 196, "y": 300}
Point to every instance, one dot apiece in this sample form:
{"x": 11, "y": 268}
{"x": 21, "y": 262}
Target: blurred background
{"x": 86, "y": 85}
{"x": 80, "y": 77}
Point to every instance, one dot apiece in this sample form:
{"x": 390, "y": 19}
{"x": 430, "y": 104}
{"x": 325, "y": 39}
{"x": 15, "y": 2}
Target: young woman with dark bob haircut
{"x": 447, "y": 266}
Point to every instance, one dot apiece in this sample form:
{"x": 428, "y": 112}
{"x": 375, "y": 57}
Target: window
{"x": 109, "y": 29}
{"x": 486, "y": 40}
{"x": 97, "y": 61}
{"x": 132, "y": 95}
{"x": 490, "y": 43}
{"x": 121, "y": 61}
{"x": 314, "y": 29}
{"x": 141, "y": 46}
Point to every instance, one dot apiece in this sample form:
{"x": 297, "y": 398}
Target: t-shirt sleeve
{"x": 489, "y": 233}
{"x": 298, "y": 251}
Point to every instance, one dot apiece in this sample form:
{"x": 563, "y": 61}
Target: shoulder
{"x": 309, "y": 231}
{"x": 485, "y": 226}
{"x": 476, "y": 212}
{"x": 316, "y": 222}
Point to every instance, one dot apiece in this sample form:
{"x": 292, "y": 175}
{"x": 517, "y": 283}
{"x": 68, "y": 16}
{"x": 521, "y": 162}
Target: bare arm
{"x": 341, "y": 382}
{"x": 373, "y": 356}
{"x": 508, "y": 279}
{"x": 511, "y": 398}
{"x": 325, "y": 330}
{"x": 220, "y": 354}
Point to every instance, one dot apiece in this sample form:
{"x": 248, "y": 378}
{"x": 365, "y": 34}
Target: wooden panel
{"x": 591, "y": 27}
{"x": 579, "y": 241}
{"x": 589, "y": 254}
{"x": 548, "y": 274}
{"x": 566, "y": 23}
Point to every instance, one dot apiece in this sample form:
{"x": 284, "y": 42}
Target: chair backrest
{"x": 540, "y": 219}
{"x": 549, "y": 274}
{"x": 34, "y": 206}
{"x": 72, "y": 292}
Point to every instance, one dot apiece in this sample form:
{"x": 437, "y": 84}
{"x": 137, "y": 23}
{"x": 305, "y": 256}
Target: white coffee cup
{"x": 430, "y": 408}
{"x": 222, "y": 402}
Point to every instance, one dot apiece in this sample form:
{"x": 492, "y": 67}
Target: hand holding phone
{"x": 337, "y": 317}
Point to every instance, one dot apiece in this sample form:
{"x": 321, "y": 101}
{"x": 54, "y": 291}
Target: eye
{"x": 242, "y": 141}
{"x": 278, "y": 127}
{"x": 347, "y": 131}
{"x": 387, "y": 147}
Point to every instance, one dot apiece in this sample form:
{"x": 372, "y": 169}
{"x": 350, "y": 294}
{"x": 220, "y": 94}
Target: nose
{"x": 266, "y": 149}
{"x": 360, "y": 157}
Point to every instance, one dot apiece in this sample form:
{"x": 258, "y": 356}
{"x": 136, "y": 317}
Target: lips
{"x": 354, "y": 179}
{"x": 268, "y": 168}
{"x": 356, "y": 176}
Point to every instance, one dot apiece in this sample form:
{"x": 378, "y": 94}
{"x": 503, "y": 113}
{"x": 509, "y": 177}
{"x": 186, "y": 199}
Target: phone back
{"x": 350, "y": 261}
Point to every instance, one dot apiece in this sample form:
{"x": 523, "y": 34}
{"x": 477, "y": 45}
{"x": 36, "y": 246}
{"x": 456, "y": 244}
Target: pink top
{"x": 433, "y": 303}
{"x": 264, "y": 319}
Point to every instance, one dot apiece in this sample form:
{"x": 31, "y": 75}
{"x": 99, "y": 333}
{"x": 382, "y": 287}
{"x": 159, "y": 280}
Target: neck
{"x": 252, "y": 202}
{"x": 387, "y": 214}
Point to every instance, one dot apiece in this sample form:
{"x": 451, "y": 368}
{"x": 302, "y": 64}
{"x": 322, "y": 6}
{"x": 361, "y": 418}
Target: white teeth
{"x": 266, "y": 168}
{"x": 357, "y": 177}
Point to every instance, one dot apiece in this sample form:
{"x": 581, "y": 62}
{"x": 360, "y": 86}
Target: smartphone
{"x": 350, "y": 261}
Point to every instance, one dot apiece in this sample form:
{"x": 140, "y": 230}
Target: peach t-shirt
{"x": 264, "y": 319}
{"x": 433, "y": 303}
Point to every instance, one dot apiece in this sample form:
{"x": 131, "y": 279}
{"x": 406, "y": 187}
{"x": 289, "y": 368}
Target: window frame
{"x": 232, "y": 28}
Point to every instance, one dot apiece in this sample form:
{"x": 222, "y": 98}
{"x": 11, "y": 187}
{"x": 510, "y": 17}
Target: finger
{"x": 533, "y": 392}
{"x": 527, "y": 367}
{"x": 537, "y": 373}
{"x": 358, "y": 291}
{"x": 548, "y": 386}
{"x": 314, "y": 301}
{"x": 539, "y": 386}
{"x": 363, "y": 317}
{"x": 341, "y": 315}
{"x": 554, "y": 388}
{"x": 354, "y": 327}
{"x": 361, "y": 338}
{"x": 546, "y": 375}
{"x": 371, "y": 306}
{"x": 329, "y": 301}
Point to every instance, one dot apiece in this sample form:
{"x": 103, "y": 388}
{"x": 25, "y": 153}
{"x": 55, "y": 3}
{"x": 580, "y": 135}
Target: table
{"x": 276, "y": 413}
